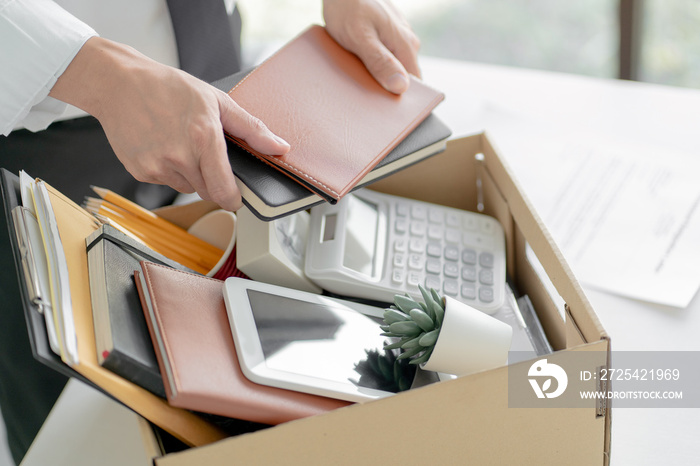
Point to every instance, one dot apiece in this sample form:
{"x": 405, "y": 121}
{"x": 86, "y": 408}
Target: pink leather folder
{"x": 186, "y": 315}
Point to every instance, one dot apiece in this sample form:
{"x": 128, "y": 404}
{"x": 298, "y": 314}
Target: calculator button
{"x": 468, "y": 238}
{"x": 469, "y": 256}
{"x": 401, "y": 226}
{"x": 476, "y": 239}
{"x": 487, "y": 226}
{"x": 416, "y": 261}
{"x": 399, "y": 260}
{"x": 479, "y": 240}
{"x": 434, "y": 250}
{"x": 453, "y": 236}
{"x": 432, "y": 282}
{"x": 469, "y": 222}
{"x": 486, "y": 259}
{"x": 414, "y": 278}
{"x": 453, "y": 219}
{"x": 486, "y": 294}
{"x": 418, "y": 228}
{"x": 451, "y": 270}
{"x": 468, "y": 291}
{"x": 451, "y": 253}
{"x": 469, "y": 273}
{"x": 435, "y": 232}
{"x": 433, "y": 266}
{"x": 416, "y": 245}
{"x": 402, "y": 210}
{"x": 400, "y": 245}
{"x": 486, "y": 277}
{"x": 436, "y": 215}
{"x": 398, "y": 276}
{"x": 450, "y": 287}
{"x": 418, "y": 212}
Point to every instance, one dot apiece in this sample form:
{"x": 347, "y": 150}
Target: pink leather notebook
{"x": 186, "y": 315}
{"x": 339, "y": 121}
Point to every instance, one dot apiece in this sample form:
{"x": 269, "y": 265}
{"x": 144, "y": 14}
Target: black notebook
{"x": 121, "y": 334}
{"x": 270, "y": 194}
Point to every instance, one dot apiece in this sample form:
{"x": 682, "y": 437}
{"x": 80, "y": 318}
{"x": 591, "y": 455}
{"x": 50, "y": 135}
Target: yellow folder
{"x": 74, "y": 225}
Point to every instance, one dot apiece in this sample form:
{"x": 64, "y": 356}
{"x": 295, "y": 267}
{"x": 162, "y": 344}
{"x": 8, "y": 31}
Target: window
{"x": 650, "y": 40}
{"x": 572, "y": 37}
{"x": 670, "y": 45}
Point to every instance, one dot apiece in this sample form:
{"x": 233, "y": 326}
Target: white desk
{"x": 87, "y": 428}
{"x": 632, "y": 111}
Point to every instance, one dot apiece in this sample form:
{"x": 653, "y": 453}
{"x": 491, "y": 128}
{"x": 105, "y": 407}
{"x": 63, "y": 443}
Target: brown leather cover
{"x": 339, "y": 121}
{"x": 190, "y": 313}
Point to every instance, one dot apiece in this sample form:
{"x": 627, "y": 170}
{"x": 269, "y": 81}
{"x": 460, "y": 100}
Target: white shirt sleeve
{"x": 39, "y": 40}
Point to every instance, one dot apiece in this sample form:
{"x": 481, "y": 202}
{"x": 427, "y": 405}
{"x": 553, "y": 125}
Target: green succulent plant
{"x": 416, "y": 325}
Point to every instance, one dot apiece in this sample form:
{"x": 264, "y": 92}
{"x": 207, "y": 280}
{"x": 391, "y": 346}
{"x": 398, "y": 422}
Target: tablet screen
{"x": 329, "y": 341}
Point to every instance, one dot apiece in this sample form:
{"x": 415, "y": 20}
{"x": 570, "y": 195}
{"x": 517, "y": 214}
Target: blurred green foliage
{"x": 671, "y": 43}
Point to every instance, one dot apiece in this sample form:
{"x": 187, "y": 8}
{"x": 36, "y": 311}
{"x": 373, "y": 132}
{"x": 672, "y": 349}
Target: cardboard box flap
{"x": 542, "y": 243}
{"x": 430, "y": 181}
{"x": 463, "y": 421}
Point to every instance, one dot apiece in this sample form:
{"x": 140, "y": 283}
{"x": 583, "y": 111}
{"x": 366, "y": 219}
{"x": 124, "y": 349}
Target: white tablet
{"x": 309, "y": 343}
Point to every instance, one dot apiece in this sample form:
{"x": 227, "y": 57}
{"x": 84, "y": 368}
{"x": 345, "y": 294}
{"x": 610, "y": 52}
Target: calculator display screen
{"x": 361, "y": 236}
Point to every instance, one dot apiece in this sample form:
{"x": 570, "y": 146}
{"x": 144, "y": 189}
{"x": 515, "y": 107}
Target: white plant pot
{"x": 470, "y": 341}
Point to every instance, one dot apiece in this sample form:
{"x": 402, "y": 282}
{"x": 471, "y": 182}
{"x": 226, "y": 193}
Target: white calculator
{"x": 372, "y": 245}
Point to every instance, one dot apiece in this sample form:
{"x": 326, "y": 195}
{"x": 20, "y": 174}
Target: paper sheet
{"x": 58, "y": 276}
{"x": 625, "y": 215}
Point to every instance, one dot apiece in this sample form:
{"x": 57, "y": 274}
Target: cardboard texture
{"x": 467, "y": 420}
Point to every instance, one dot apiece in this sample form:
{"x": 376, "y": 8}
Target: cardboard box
{"x": 467, "y": 420}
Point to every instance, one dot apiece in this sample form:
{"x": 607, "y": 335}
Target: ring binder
{"x": 28, "y": 236}
{"x": 26, "y": 250}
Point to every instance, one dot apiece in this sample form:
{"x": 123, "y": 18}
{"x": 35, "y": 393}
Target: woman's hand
{"x": 379, "y": 35}
{"x": 165, "y": 126}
